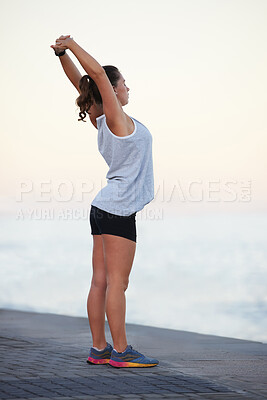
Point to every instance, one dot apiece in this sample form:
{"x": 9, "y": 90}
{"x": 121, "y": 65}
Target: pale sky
{"x": 196, "y": 70}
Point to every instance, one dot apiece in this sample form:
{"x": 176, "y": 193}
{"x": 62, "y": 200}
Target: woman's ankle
{"x": 120, "y": 349}
{"x": 100, "y": 346}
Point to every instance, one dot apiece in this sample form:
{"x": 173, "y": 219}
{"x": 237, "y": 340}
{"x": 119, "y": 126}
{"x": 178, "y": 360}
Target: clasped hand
{"x": 62, "y": 43}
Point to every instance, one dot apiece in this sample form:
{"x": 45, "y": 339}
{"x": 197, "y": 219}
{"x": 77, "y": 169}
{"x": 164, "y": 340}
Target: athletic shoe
{"x": 100, "y": 356}
{"x": 131, "y": 358}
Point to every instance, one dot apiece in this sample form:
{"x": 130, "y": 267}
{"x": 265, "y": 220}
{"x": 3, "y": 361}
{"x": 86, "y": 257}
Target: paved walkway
{"x": 43, "y": 356}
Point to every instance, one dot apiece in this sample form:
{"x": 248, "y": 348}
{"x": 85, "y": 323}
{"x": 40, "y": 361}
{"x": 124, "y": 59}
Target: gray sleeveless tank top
{"x": 130, "y": 178}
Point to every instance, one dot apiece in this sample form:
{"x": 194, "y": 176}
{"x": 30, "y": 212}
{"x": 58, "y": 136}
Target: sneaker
{"x": 100, "y": 356}
{"x": 131, "y": 358}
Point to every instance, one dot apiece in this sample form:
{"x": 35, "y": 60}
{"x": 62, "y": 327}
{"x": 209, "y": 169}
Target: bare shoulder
{"x": 123, "y": 126}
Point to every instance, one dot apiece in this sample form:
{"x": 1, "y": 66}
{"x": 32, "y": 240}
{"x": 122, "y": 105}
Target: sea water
{"x": 205, "y": 274}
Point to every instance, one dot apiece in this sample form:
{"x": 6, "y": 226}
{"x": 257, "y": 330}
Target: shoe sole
{"x": 123, "y": 364}
{"x": 91, "y": 360}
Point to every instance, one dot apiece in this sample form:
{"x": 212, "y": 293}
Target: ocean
{"x": 205, "y": 274}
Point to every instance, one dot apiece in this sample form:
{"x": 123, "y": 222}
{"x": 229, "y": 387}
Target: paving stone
{"x": 52, "y": 364}
{"x": 107, "y": 396}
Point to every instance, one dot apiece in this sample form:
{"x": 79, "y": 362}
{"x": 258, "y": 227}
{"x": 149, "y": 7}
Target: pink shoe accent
{"x": 97, "y": 361}
{"x": 121, "y": 364}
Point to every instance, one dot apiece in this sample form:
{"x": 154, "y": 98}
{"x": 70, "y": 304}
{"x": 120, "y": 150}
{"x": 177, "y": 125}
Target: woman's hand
{"x": 58, "y": 49}
{"x": 62, "y": 43}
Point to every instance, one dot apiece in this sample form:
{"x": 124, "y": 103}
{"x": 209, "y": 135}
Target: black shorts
{"x": 103, "y": 222}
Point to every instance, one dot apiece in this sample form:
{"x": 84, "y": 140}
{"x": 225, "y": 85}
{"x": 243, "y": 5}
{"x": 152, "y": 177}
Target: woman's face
{"x": 121, "y": 91}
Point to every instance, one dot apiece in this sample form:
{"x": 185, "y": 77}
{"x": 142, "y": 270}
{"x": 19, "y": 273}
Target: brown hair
{"x": 89, "y": 91}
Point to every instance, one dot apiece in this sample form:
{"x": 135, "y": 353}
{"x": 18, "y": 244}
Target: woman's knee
{"x": 99, "y": 282}
{"x": 117, "y": 282}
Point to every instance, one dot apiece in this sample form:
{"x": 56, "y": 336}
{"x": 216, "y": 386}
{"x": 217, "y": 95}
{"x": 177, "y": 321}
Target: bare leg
{"x": 97, "y": 295}
{"x": 119, "y": 255}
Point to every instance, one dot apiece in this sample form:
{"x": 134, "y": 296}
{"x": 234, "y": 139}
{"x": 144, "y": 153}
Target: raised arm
{"x": 68, "y": 66}
{"x": 71, "y": 70}
{"x": 115, "y": 116}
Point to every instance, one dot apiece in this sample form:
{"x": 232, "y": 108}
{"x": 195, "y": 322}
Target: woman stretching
{"x": 126, "y": 146}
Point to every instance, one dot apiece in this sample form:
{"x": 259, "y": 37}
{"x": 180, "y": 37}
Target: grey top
{"x": 130, "y": 179}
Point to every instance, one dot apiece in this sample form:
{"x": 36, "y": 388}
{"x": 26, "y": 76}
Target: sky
{"x": 196, "y": 70}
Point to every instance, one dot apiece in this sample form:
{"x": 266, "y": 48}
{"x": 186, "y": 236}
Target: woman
{"x": 126, "y": 145}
